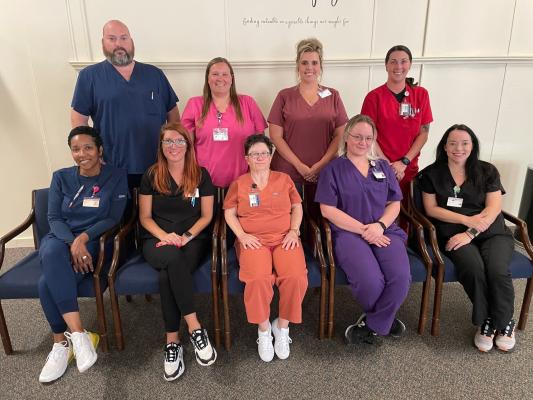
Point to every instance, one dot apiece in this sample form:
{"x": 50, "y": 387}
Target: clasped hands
{"x": 373, "y": 234}
{"x": 479, "y": 222}
{"x": 289, "y": 242}
{"x": 173, "y": 239}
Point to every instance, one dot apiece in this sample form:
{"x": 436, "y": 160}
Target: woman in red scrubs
{"x": 402, "y": 113}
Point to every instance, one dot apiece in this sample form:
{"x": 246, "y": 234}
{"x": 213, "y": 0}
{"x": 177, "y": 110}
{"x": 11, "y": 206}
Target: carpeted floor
{"x": 413, "y": 367}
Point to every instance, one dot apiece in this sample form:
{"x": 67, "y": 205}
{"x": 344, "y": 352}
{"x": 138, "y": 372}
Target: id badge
{"x": 405, "y": 109}
{"x": 324, "y": 93}
{"x": 220, "y": 134}
{"x": 455, "y": 202}
{"x": 93, "y": 202}
{"x": 254, "y": 199}
{"x": 379, "y": 175}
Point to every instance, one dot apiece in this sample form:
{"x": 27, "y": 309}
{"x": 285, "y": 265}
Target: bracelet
{"x": 383, "y": 226}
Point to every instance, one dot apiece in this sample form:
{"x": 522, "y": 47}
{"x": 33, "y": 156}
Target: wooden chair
{"x": 131, "y": 274}
{"x": 314, "y": 258}
{"x": 21, "y": 281}
{"x": 444, "y": 271}
{"x": 419, "y": 261}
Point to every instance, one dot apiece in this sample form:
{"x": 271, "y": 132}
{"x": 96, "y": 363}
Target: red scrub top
{"x": 396, "y": 134}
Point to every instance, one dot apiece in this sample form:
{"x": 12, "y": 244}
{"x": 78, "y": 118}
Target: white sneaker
{"x": 174, "y": 366}
{"x": 282, "y": 340}
{"x": 84, "y": 345}
{"x": 56, "y": 362}
{"x": 204, "y": 352}
{"x": 264, "y": 344}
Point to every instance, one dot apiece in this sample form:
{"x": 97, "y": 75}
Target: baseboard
{"x": 21, "y": 241}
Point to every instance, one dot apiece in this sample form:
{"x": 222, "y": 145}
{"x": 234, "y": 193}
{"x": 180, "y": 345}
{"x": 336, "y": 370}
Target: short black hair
{"x": 86, "y": 130}
{"x": 254, "y": 139}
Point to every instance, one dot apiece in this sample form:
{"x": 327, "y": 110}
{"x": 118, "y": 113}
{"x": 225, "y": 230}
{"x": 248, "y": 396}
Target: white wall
{"x": 475, "y": 57}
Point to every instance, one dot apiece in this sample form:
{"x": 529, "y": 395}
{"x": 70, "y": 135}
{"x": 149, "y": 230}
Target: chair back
{"x": 416, "y": 196}
{"x": 40, "y": 208}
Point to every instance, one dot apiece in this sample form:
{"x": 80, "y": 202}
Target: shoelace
{"x": 200, "y": 340}
{"x": 486, "y": 328}
{"x": 171, "y": 353}
{"x": 508, "y": 331}
{"x": 284, "y": 340}
{"x": 57, "y": 352}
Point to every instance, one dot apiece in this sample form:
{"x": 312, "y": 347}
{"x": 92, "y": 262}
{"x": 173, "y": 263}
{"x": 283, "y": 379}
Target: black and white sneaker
{"x": 204, "y": 352}
{"x": 174, "y": 366}
{"x": 397, "y": 329}
{"x": 361, "y": 333}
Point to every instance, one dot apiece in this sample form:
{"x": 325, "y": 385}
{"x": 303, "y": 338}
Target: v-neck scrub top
{"x": 128, "y": 114}
{"x": 397, "y": 134}
{"x": 223, "y": 159}
{"x": 308, "y": 130}
{"x": 341, "y": 185}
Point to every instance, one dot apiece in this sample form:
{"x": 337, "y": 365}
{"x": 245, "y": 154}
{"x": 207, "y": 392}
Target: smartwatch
{"x": 473, "y": 232}
{"x": 187, "y": 234}
{"x": 405, "y": 161}
{"x": 383, "y": 226}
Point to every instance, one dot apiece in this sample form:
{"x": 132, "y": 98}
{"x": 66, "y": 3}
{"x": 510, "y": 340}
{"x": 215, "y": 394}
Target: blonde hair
{"x": 359, "y": 118}
{"x": 309, "y": 45}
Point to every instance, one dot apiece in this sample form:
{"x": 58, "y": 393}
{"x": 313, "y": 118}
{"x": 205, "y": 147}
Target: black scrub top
{"x": 437, "y": 179}
{"x": 174, "y": 213}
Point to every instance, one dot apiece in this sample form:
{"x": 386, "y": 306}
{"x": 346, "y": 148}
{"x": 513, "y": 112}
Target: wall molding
{"x": 338, "y": 63}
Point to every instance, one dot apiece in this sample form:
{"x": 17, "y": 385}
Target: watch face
{"x": 188, "y": 234}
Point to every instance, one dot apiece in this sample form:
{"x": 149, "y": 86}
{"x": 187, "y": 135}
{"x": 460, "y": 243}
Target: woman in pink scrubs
{"x": 306, "y": 121}
{"x": 220, "y": 121}
{"x": 402, "y": 114}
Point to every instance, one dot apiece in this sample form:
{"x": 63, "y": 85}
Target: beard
{"x": 120, "y": 60}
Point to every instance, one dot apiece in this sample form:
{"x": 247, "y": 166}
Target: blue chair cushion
{"x": 520, "y": 267}
{"x": 236, "y": 286}
{"x": 136, "y": 276}
{"x": 22, "y": 280}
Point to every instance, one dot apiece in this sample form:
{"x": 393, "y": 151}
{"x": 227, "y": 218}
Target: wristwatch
{"x": 405, "y": 161}
{"x": 382, "y": 224}
{"x": 187, "y": 234}
{"x": 473, "y": 232}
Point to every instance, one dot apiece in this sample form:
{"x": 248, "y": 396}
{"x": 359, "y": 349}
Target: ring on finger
{"x": 84, "y": 258}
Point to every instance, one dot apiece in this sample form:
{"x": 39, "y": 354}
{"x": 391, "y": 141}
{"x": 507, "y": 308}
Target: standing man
{"x": 128, "y": 101}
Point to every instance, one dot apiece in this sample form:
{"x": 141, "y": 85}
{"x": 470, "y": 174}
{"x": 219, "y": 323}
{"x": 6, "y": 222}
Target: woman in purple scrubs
{"x": 359, "y": 194}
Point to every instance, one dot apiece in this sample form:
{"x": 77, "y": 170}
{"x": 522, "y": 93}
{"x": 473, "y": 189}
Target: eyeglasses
{"x": 177, "y": 142}
{"x": 359, "y": 138}
{"x": 256, "y": 156}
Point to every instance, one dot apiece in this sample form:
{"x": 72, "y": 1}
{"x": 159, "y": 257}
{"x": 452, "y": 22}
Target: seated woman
{"x": 83, "y": 202}
{"x": 463, "y": 197}
{"x": 264, "y": 210}
{"x": 175, "y": 207}
{"x": 220, "y": 121}
{"x": 360, "y": 196}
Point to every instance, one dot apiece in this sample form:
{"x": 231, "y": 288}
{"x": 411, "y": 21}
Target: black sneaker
{"x": 397, "y": 329}
{"x": 204, "y": 352}
{"x": 360, "y": 333}
{"x": 174, "y": 366}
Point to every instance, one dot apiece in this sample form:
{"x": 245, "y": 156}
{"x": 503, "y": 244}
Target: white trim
{"x": 339, "y": 63}
{"x": 20, "y": 241}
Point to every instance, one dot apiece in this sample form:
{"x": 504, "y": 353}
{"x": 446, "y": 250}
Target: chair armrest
{"x": 418, "y": 231}
{"x": 223, "y": 231}
{"x": 431, "y": 234}
{"x": 14, "y": 233}
{"x": 119, "y": 240}
{"x": 102, "y": 244}
{"x": 522, "y": 229}
{"x": 316, "y": 239}
{"x": 329, "y": 245}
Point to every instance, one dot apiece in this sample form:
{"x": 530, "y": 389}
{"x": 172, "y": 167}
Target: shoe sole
{"x": 396, "y": 336}
{"x": 170, "y": 378}
{"x": 208, "y": 362}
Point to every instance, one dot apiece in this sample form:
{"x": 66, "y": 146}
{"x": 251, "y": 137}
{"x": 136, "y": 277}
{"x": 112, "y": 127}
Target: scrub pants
{"x": 58, "y": 285}
{"x": 482, "y": 267}
{"x": 379, "y": 277}
{"x": 176, "y": 267}
{"x": 289, "y": 275}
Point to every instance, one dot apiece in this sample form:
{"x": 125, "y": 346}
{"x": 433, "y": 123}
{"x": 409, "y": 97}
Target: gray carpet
{"x": 419, "y": 367}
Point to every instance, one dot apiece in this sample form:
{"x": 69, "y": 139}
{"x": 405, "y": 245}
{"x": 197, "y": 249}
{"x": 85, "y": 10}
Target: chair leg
{"x": 6, "y": 341}
{"x": 422, "y": 319}
{"x": 117, "y": 323}
{"x": 225, "y": 307}
{"x": 322, "y": 310}
{"x": 216, "y": 315}
{"x": 331, "y": 307}
{"x": 100, "y": 313}
{"x": 128, "y": 298}
{"x": 435, "y": 323}
{"x": 525, "y": 305}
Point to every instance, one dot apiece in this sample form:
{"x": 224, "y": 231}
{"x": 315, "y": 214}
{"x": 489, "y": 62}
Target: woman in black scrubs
{"x": 463, "y": 196}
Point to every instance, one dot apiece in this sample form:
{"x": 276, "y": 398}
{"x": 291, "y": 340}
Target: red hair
{"x": 191, "y": 170}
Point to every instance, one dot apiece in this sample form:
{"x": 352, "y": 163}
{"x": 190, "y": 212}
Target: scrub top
{"x": 437, "y": 179}
{"x": 341, "y": 185}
